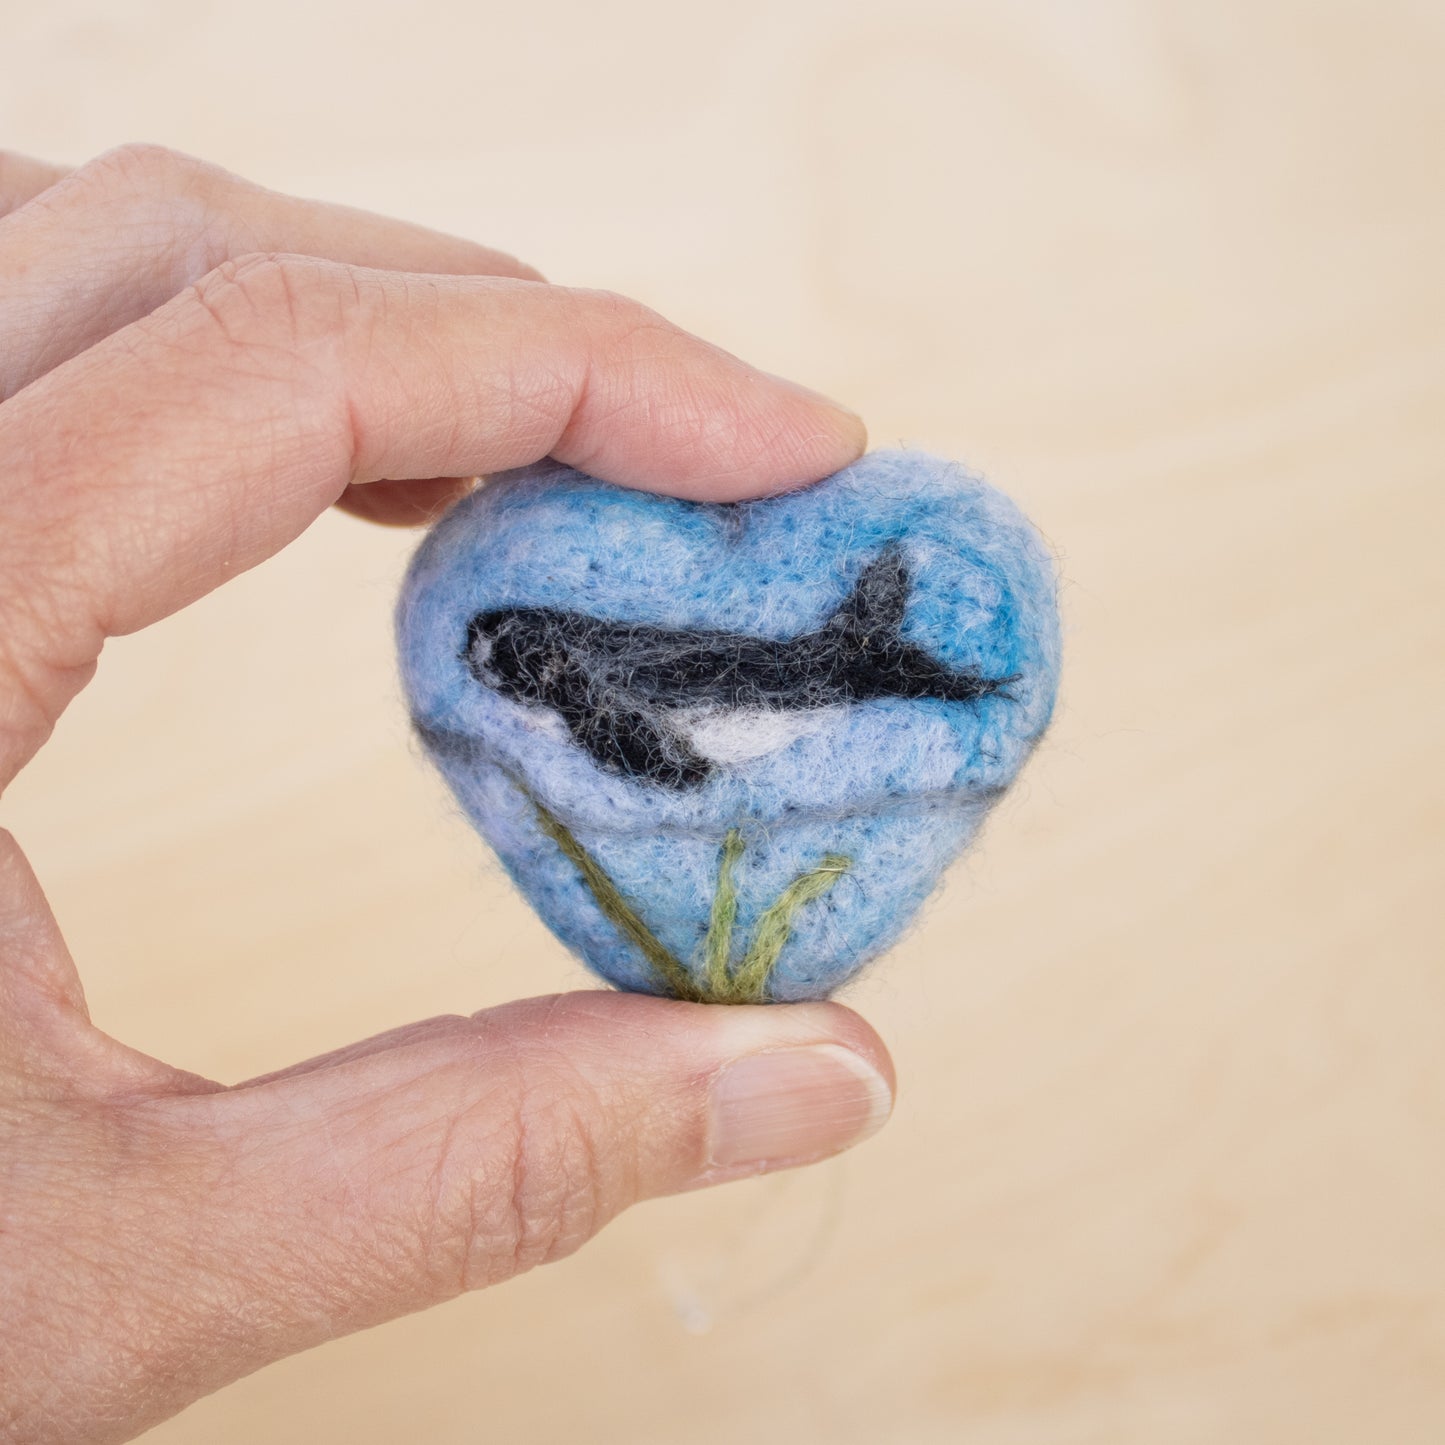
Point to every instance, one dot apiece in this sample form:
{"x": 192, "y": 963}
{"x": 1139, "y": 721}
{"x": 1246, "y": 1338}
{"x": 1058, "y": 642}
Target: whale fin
{"x": 873, "y": 610}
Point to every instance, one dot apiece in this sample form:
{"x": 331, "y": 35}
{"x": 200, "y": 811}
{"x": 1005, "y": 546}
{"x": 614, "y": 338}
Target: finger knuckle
{"x": 265, "y": 298}
{"x": 539, "y": 1192}
{"x": 174, "y": 205}
{"x": 143, "y": 165}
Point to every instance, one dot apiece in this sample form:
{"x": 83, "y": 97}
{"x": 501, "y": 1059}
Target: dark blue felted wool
{"x": 727, "y": 750}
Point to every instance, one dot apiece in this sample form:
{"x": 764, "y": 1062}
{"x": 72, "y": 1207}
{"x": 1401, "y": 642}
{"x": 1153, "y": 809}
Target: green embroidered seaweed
{"x": 718, "y": 947}
{"x": 721, "y": 983}
{"x": 750, "y": 979}
{"x": 618, "y": 911}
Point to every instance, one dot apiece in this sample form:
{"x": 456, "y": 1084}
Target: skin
{"x": 192, "y": 370}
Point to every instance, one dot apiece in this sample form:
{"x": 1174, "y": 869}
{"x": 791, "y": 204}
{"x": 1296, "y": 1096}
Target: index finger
{"x": 192, "y": 444}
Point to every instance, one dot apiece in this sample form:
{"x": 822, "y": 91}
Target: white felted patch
{"x": 739, "y": 735}
{"x": 543, "y": 720}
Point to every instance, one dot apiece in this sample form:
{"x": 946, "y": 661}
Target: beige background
{"x": 1167, "y": 1164}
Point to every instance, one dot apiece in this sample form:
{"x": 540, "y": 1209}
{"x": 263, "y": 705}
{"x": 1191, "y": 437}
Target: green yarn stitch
{"x": 718, "y": 947}
{"x": 748, "y": 982}
{"x": 618, "y": 910}
{"x": 750, "y": 979}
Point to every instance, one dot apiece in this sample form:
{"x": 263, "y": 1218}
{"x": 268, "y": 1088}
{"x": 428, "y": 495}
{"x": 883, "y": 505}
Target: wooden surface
{"x": 1167, "y": 1164}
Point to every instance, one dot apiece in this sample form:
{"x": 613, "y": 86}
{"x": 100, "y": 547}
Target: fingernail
{"x": 789, "y": 1106}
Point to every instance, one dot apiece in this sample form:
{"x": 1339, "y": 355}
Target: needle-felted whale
{"x": 626, "y": 690}
{"x": 727, "y": 750}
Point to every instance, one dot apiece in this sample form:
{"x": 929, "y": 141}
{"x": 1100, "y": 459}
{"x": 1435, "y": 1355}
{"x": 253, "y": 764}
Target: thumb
{"x": 455, "y": 1153}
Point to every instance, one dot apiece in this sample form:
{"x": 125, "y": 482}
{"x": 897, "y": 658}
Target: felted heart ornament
{"x": 728, "y": 750}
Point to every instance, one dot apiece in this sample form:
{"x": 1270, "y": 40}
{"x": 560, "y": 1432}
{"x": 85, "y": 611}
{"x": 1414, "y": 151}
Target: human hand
{"x": 183, "y": 395}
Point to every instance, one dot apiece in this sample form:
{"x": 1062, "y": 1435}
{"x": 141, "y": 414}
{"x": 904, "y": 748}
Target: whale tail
{"x": 877, "y": 660}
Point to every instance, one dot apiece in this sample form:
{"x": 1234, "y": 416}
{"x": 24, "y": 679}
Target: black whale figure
{"x": 615, "y": 684}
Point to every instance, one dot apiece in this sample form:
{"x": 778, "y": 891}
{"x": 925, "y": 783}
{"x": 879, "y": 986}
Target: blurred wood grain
{"x": 1167, "y": 1163}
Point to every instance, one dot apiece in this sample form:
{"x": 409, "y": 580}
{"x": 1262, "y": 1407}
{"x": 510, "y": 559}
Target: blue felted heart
{"x": 727, "y": 750}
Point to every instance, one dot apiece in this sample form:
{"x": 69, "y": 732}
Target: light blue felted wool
{"x": 727, "y": 750}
